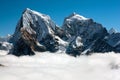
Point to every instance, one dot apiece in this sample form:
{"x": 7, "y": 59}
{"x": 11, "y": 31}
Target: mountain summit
{"x": 34, "y": 32}
{"x": 78, "y": 35}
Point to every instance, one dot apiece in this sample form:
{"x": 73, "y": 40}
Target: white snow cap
{"x": 74, "y": 16}
{"x": 43, "y": 16}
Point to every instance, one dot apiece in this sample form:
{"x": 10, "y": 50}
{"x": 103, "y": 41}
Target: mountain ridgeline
{"x": 78, "y": 35}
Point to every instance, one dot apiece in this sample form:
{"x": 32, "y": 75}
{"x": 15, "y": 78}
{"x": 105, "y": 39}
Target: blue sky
{"x": 106, "y": 12}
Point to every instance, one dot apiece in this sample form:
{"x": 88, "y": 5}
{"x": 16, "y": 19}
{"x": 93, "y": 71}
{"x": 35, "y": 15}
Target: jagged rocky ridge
{"x": 78, "y": 35}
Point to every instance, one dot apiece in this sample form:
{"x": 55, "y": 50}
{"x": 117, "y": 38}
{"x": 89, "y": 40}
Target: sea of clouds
{"x": 60, "y": 66}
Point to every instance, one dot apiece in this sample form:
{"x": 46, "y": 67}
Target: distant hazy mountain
{"x": 112, "y": 31}
{"x": 4, "y": 43}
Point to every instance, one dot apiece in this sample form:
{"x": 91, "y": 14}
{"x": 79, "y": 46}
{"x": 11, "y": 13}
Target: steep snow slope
{"x": 33, "y": 21}
{"x": 46, "y": 66}
{"x": 35, "y": 32}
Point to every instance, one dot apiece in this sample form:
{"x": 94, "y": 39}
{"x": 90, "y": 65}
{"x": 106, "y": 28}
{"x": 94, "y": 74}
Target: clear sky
{"x": 106, "y": 12}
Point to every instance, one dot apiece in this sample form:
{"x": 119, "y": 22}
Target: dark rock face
{"x": 26, "y": 45}
{"x": 61, "y": 33}
{"x": 50, "y": 43}
{"x": 21, "y": 48}
{"x": 75, "y": 47}
{"x": 101, "y": 46}
{"x": 114, "y": 41}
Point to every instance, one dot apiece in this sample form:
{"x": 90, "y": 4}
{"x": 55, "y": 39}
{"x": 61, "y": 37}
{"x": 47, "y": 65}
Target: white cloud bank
{"x": 47, "y": 66}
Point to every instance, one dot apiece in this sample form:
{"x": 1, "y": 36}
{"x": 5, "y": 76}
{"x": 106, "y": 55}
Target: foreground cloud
{"x": 46, "y": 66}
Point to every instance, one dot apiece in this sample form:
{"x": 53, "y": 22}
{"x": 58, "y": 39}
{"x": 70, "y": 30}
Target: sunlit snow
{"x": 59, "y": 66}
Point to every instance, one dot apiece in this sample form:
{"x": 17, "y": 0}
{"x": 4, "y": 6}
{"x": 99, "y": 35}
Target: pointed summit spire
{"x": 27, "y": 10}
{"x": 74, "y": 16}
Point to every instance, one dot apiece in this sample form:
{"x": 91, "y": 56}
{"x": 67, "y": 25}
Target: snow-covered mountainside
{"x": 34, "y": 22}
{"x": 35, "y": 32}
{"x": 47, "y": 66}
{"x": 78, "y": 35}
{"x": 92, "y": 35}
{"x": 76, "y": 25}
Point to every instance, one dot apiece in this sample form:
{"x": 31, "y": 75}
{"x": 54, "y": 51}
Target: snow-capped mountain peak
{"x": 33, "y": 12}
{"x": 32, "y": 29}
{"x": 34, "y": 21}
{"x": 76, "y": 17}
